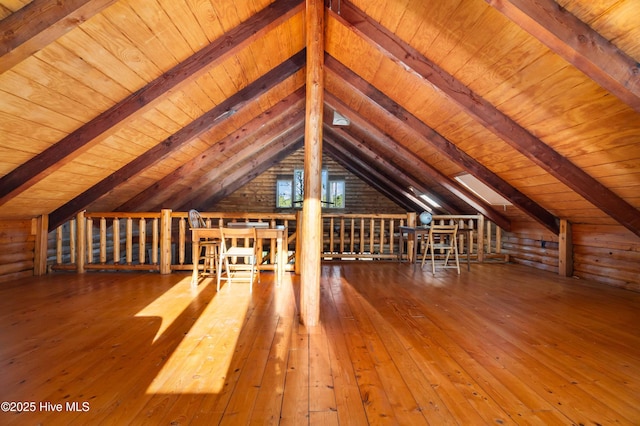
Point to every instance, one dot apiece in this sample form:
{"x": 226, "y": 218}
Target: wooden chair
{"x": 208, "y": 248}
{"x": 234, "y": 257}
{"x": 442, "y": 238}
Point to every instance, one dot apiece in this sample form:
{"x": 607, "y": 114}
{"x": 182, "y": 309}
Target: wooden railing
{"x": 355, "y": 236}
{"x": 161, "y": 241}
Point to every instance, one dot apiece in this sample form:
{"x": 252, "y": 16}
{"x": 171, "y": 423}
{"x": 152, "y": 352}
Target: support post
{"x": 480, "y": 236}
{"x": 311, "y": 237}
{"x": 165, "y": 241}
{"x": 565, "y": 249}
{"x": 81, "y": 238}
{"x": 41, "y": 233}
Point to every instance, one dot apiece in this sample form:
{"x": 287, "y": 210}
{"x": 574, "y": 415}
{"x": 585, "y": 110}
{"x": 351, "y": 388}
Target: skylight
{"x": 482, "y": 190}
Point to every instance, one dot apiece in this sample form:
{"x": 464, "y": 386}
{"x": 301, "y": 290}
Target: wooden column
{"x": 480, "y": 235}
{"x": 41, "y": 233}
{"x": 81, "y": 243}
{"x": 311, "y": 237}
{"x": 565, "y": 249}
{"x": 165, "y": 241}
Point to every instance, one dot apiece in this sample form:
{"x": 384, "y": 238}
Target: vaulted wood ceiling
{"x": 136, "y": 105}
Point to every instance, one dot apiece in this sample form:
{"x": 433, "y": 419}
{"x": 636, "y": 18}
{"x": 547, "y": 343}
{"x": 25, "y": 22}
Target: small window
{"x": 336, "y": 194}
{"x": 284, "y": 192}
{"x": 290, "y": 191}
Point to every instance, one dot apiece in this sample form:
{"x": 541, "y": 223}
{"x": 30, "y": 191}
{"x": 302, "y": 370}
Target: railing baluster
{"x": 129, "y": 243}
{"x": 142, "y": 240}
{"x": 103, "y": 240}
{"x": 116, "y": 240}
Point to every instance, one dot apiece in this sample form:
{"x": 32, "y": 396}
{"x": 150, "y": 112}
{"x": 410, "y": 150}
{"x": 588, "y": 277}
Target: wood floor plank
{"x": 500, "y": 344}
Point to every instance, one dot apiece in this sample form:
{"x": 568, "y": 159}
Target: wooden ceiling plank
{"x": 500, "y": 124}
{"x": 59, "y": 154}
{"x": 39, "y": 23}
{"x": 577, "y": 43}
{"x": 447, "y": 148}
{"x": 175, "y": 141}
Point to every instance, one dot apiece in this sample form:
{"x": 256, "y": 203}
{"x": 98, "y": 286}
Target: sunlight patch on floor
{"x": 200, "y": 363}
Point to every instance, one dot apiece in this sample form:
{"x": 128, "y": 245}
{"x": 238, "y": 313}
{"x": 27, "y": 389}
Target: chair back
{"x": 196, "y": 220}
{"x": 227, "y": 234}
{"x": 444, "y": 234}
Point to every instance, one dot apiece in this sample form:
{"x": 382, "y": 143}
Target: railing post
{"x": 565, "y": 252}
{"x": 40, "y": 254}
{"x": 411, "y": 222}
{"x": 480, "y": 235}
{"x": 298, "y": 233}
{"x": 165, "y": 241}
{"x": 81, "y": 242}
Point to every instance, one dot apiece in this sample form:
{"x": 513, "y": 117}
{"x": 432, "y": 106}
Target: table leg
{"x": 280, "y": 262}
{"x": 195, "y": 256}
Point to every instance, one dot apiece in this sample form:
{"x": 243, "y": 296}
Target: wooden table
{"x": 423, "y": 231}
{"x": 416, "y": 232}
{"x": 279, "y": 233}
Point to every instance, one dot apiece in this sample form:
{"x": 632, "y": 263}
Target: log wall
{"x": 608, "y": 254}
{"x": 260, "y": 194}
{"x": 603, "y": 253}
{"x": 17, "y": 239}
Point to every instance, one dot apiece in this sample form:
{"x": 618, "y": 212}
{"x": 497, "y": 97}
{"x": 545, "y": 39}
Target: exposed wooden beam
{"x": 278, "y": 139}
{"x": 390, "y": 187}
{"x": 503, "y": 126}
{"x": 388, "y": 172}
{"x": 450, "y": 150}
{"x": 241, "y": 173}
{"x": 311, "y": 236}
{"x": 175, "y": 141}
{"x": 53, "y": 158}
{"x": 277, "y": 119}
{"x": 407, "y": 159}
{"x": 39, "y": 23}
{"x": 578, "y": 44}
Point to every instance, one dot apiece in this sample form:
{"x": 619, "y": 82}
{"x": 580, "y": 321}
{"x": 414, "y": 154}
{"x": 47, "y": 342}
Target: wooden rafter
{"x": 378, "y": 164}
{"x": 39, "y": 23}
{"x": 107, "y": 122}
{"x": 175, "y": 141}
{"x": 503, "y": 126}
{"x": 393, "y": 186}
{"x": 238, "y": 174}
{"x": 577, "y": 43}
{"x": 395, "y": 150}
{"x": 450, "y": 150}
{"x": 283, "y": 134}
{"x": 381, "y": 184}
{"x": 282, "y": 116}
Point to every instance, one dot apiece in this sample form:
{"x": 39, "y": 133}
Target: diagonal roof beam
{"x": 578, "y": 44}
{"x": 389, "y": 189}
{"x": 39, "y": 23}
{"x": 245, "y": 147}
{"x": 450, "y": 150}
{"x": 282, "y": 116}
{"x": 503, "y": 126}
{"x": 342, "y": 151}
{"x": 408, "y": 158}
{"x": 175, "y": 141}
{"x": 378, "y": 164}
{"x": 237, "y": 174}
{"x": 53, "y": 158}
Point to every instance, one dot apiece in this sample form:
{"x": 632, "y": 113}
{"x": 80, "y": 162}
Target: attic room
{"x": 340, "y": 135}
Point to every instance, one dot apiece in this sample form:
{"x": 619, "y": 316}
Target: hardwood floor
{"x": 502, "y": 344}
